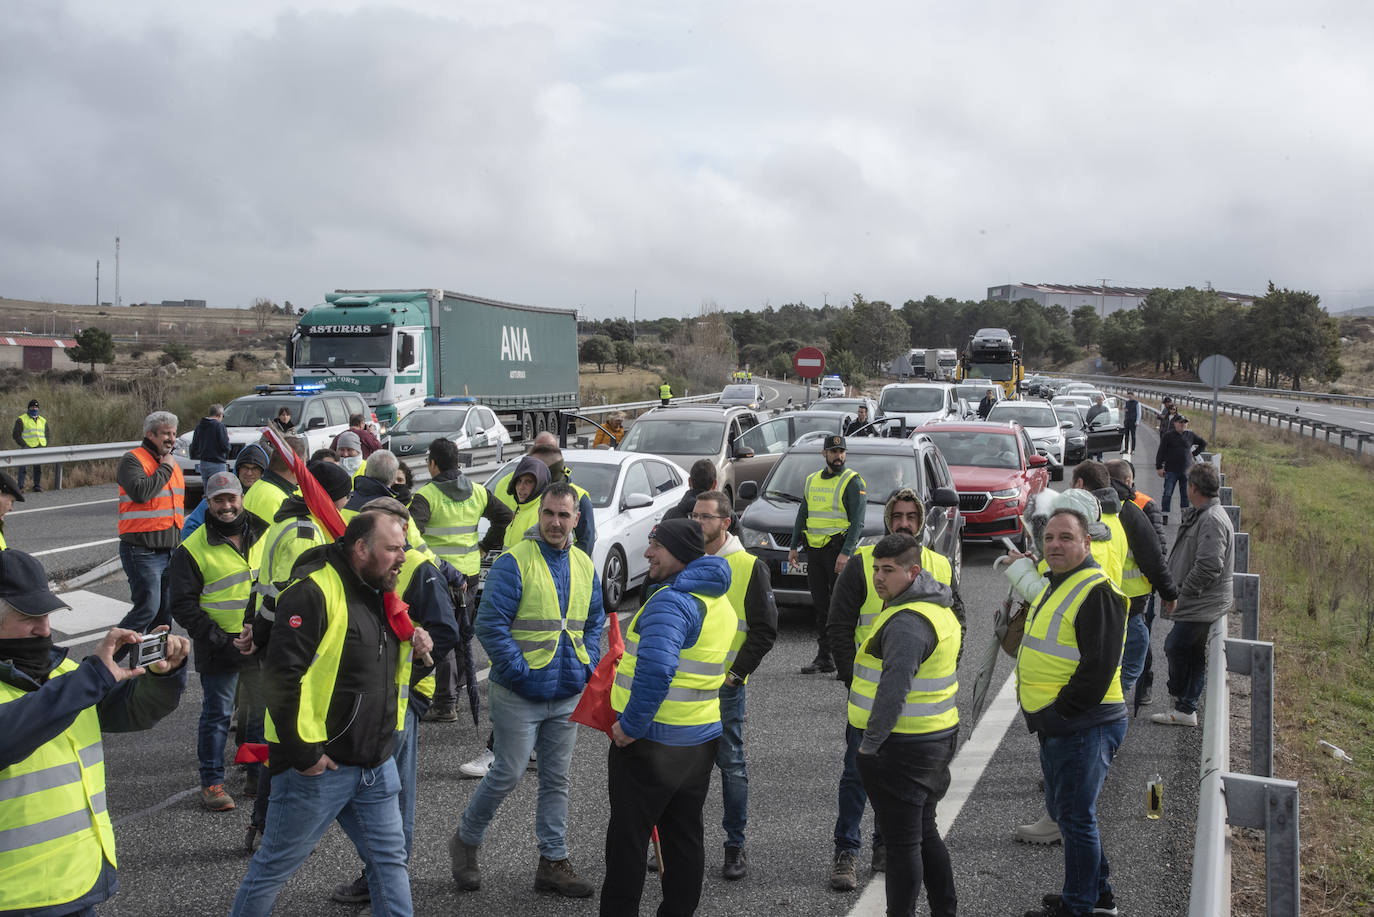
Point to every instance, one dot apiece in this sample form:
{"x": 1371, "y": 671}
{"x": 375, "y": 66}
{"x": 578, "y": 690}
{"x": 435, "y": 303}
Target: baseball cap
{"x": 834, "y": 441}
{"x": 8, "y": 486}
{"x": 1168, "y": 400}
{"x": 1179, "y": 418}
{"x": 24, "y": 585}
{"x": 222, "y": 482}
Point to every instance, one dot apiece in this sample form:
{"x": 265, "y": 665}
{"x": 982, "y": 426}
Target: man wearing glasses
{"x": 751, "y": 597}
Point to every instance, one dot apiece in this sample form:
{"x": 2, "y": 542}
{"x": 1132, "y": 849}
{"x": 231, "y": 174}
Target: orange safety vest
{"x": 166, "y": 510}
{"x": 1141, "y": 500}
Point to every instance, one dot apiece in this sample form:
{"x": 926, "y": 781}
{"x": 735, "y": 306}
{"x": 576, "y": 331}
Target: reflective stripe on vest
{"x": 35, "y": 431}
{"x": 932, "y": 562}
{"x": 227, "y": 576}
{"x": 741, "y": 574}
{"x": 166, "y": 509}
{"x": 452, "y": 529}
{"x": 693, "y": 697}
{"x": 283, "y": 544}
{"x": 54, "y": 828}
{"x": 1134, "y": 582}
{"x": 825, "y": 515}
{"x": 539, "y": 623}
{"x": 1049, "y": 655}
{"x": 930, "y": 698}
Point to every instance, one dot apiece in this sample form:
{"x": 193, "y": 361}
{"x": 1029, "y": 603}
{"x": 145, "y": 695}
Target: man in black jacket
{"x": 1177, "y": 450}
{"x": 210, "y": 443}
{"x": 1123, "y": 478}
{"x": 701, "y": 477}
{"x": 330, "y": 682}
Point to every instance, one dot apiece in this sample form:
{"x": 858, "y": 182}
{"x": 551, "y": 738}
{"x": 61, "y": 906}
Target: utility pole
{"x": 117, "y": 301}
{"x": 1103, "y": 308}
{"x": 634, "y": 319}
{"x": 97, "y": 283}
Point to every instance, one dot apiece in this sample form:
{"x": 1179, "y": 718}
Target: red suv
{"x": 996, "y": 471}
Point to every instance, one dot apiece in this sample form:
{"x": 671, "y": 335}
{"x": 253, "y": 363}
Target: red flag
{"x": 323, "y": 509}
{"x": 594, "y": 707}
{"x": 251, "y": 753}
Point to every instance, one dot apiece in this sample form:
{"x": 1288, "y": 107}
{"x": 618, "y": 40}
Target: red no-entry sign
{"x": 809, "y": 363}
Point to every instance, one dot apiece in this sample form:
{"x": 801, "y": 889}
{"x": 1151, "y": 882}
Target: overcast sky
{"x": 568, "y": 153}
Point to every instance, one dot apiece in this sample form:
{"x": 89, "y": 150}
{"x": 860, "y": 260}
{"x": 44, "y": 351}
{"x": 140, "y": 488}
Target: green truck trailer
{"x": 398, "y": 347}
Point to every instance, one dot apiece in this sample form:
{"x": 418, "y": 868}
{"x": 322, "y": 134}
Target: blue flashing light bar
{"x": 284, "y": 388}
{"x": 457, "y": 399}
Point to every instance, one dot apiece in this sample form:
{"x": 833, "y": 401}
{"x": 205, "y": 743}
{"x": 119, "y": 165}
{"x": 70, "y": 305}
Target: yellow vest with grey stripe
{"x": 741, "y": 574}
{"x": 34, "y": 432}
{"x": 452, "y": 529}
{"x": 54, "y": 829}
{"x": 227, "y": 576}
{"x": 283, "y": 544}
{"x": 1117, "y": 549}
{"x": 413, "y": 536}
{"x": 1048, "y": 655}
{"x": 825, "y": 513}
{"x": 932, "y": 562}
{"x": 502, "y": 491}
{"x": 415, "y": 557}
{"x": 929, "y": 705}
{"x": 1134, "y": 582}
{"x": 538, "y": 623}
{"x": 264, "y": 498}
{"x": 693, "y": 697}
{"x": 317, "y": 684}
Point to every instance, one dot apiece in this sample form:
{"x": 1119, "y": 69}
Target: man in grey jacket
{"x": 1200, "y": 563}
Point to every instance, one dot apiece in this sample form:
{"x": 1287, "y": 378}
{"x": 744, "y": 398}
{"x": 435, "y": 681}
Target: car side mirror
{"x": 637, "y": 500}
{"x": 741, "y": 451}
{"x": 314, "y": 423}
{"x": 749, "y": 490}
{"x": 1038, "y": 461}
{"x": 1066, "y": 424}
{"x": 945, "y": 496}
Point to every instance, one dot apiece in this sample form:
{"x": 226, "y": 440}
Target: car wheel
{"x": 1057, "y": 473}
{"x": 730, "y": 498}
{"x": 956, "y": 563}
{"x": 613, "y": 579}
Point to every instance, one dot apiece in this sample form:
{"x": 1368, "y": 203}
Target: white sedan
{"x": 630, "y": 492}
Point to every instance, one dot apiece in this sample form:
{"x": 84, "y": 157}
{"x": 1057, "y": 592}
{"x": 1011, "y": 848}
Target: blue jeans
{"x": 848, "y": 833}
{"x": 216, "y": 707}
{"x": 146, "y": 570}
{"x": 1186, "y": 650}
{"x": 37, "y": 476}
{"x": 1137, "y": 645}
{"x": 520, "y": 726}
{"x": 207, "y": 469}
{"x": 1174, "y": 479}
{"x": 407, "y": 750}
{"x": 1075, "y": 766}
{"x": 734, "y": 776}
{"x": 302, "y": 809}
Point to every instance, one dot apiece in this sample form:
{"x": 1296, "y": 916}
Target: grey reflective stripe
{"x": 38, "y": 781}
{"x": 405, "y": 691}
{"x": 631, "y": 640}
{"x": 445, "y": 550}
{"x": 868, "y": 619}
{"x": 266, "y": 589}
{"x": 537, "y": 624}
{"x": 933, "y": 708}
{"x": 266, "y": 613}
{"x": 92, "y": 754}
{"x": 226, "y": 605}
{"x": 866, "y": 673}
{"x": 1049, "y": 644}
{"x": 531, "y": 645}
{"x": 742, "y": 626}
{"x": 233, "y": 579}
{"x": 698, "y": 667}
{"x": 683, "y": 695}
{"x": 451, "y": 530}
{"x": 872, "y": 676}
{"x": 52, "y": 829}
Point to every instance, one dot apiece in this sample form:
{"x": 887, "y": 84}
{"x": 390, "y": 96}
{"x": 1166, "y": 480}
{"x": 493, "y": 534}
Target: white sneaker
{"x": 478, "y": 766}
{"x": 1044, "y": 831}
{"x": 1174, "y": 718}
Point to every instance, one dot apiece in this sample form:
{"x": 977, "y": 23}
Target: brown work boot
{"x": 560, "y": 877}
{"x": 464, "y": 864}
{"x": 844, "y": 872}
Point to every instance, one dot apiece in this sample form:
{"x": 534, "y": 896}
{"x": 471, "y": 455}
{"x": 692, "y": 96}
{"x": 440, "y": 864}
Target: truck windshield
{"x": 997, "y": 372}
{"x": 339, "y": 350}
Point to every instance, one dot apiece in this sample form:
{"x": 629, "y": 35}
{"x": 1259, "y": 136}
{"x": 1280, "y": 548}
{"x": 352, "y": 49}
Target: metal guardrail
{"x": 1325, "y": 397}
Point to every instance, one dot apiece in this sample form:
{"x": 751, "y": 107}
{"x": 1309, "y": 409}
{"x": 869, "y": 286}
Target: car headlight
{"x": 754, "y": 538}
{"x": 1077, "y": 439}
{"x": 1004, "y": 494}
{"x": 1049, "y": 442}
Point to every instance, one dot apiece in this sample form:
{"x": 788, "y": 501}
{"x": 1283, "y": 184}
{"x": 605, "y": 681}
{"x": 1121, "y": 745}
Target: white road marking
{"x": 74, "y": 547}
{"x": 48, "y": 509}
{"x": 90, "y": 611}
{"x": 966, "y": 769}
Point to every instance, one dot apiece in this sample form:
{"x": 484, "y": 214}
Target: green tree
{"x": 624, "y": 355}
{"x": 1121, "y": 334}
{"x": 241, "y": 363}
{"x": 1301, "y": 339}
{"x": 263, "y": 309}
{"x": 93, "y": 346}
{"x": 597, "y": 349}
{"x": 1086, "y": 326}
{"x": 177, "y": 352}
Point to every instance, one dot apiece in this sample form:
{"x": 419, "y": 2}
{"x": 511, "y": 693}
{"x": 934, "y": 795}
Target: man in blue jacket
{"x": 666, "y": 691}
{"x": 540, "y": 623}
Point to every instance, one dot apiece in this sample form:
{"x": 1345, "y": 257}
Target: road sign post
{"x": 1216, "y": 371}
{"x": 809, "y": 363}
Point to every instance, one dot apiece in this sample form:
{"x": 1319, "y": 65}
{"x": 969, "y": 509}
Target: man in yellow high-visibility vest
{"x": 31, "y": 431}
{"x": 831, "y": 518}
{"x": 58, "y": 850}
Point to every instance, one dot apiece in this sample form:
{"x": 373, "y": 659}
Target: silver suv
{"x": 685, "y": 433}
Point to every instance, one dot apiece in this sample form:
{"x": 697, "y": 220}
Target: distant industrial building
{"x": 186, "y": 303}
{"x": 1105, "y": 299}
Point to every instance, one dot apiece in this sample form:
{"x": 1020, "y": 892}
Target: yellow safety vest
{"x": 526, "y": 518}
{"x": 932, "y": 562}
{"x": 35, "y": 431}
{"x": 228, "y": 578}
{"x": 283, "y": 544}
{"x": 741, "y": 573}
{"x": 539, "y": 623}
{"x": 1117, "y": 549}
{"x": 317, "y": 684}
{"x": 413, "y": 536}
{"x": 929, "y": 705}
{"x": 502, "y": 492}
{"x": 1134, "y": 582}
{"x": 693, "y": 697}
{"x": 1048, "y": 655}
{"x": 452, "y": 529}
{"x": 825, "y": 515}
{"x": 264, "y": 498}
{"x": 665, "y": 391}
{"x": 54, "y": 828}
{"x": 415, "y": 557}
{"x": 3, "y": 546}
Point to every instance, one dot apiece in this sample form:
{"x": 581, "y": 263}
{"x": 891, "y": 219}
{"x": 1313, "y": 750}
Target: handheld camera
{"x": 151, "y": 648}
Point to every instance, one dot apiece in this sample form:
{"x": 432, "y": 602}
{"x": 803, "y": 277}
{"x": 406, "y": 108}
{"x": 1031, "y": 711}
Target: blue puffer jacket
{"x": 670, "y": 620}
{"x": 565, "y": 675}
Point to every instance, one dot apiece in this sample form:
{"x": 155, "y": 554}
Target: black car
{"x": 885, "y": 465}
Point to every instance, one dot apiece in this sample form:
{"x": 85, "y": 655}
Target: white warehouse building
{"x": 1105, "y": 299}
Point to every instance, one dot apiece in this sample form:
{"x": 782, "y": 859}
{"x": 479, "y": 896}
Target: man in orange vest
{"x": 152, "y": 510}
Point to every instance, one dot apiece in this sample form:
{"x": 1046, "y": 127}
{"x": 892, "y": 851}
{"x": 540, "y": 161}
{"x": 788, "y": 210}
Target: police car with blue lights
{"x": 470, "y": 425}
{"x": 317, "y": 414}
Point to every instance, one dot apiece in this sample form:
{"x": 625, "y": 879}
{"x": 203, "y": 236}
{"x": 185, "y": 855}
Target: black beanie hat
{"x": 682, "y": 538}
{"x": 335, "y": 481}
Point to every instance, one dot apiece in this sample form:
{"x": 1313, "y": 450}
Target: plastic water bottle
{"x": 1338, "y": 753}
{"x": 1154, "y": 805}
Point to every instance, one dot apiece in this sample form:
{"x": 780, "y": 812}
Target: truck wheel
{"x": 540, "y": 424}
{"x": 613, "y": 580}
{"x": 527, "y": 426}
{"x": 551, "y": 422}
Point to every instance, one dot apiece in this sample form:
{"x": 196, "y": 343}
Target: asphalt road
{"x": 176, "y": 858}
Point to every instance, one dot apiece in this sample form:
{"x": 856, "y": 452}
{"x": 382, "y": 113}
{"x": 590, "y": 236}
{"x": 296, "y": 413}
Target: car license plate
{"x": 791, "y": 569}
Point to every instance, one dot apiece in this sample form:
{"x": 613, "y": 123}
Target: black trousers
{"x": 1128, "y": 438}
{"x": 655, "y": 784}
{"x": 820, "y": 579}
{"x": 904, "y": 781}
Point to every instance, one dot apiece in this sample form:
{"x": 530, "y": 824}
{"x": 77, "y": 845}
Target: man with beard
{"x": 60, "y": 852}
{"x": 330, "y": 731}
{"x": 831, "y": 516}
{"x": 853, "y": 611}
{"x": 212, "y": 586}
